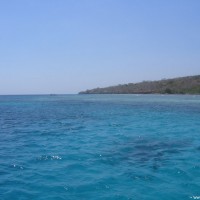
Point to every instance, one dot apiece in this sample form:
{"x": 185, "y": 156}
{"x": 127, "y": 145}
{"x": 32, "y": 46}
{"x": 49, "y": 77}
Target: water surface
{"x": 100, "y": 147}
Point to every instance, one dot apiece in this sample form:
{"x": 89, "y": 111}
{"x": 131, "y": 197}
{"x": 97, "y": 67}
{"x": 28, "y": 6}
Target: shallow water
{"x": 100, "y": 147}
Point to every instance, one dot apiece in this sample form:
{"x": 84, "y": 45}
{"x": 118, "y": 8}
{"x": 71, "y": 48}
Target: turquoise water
{"x": 100, "y": 147}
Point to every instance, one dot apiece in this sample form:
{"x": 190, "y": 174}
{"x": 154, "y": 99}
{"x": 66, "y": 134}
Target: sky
{"x": 66, "y": 46}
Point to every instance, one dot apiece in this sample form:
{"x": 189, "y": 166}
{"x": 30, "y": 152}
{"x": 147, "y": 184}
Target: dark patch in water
{"x": 146, "y": 152}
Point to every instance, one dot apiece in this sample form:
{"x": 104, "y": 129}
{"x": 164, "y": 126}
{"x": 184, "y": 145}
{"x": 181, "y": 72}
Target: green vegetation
{"x": 183, "y": 85}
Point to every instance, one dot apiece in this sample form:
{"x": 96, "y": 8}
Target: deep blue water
{"x": 97, "y": 147}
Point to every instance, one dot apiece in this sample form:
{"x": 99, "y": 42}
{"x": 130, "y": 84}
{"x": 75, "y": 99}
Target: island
{"x": 181, "y": 85}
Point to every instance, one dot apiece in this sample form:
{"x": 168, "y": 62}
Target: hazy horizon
{"x": 63, "y": 47}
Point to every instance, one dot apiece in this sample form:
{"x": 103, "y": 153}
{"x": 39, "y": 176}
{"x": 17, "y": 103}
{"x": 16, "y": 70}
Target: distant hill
{"x": 182, "y": 85}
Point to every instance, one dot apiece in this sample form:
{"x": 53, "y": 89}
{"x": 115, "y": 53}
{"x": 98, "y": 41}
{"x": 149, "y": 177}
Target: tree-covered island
{"x": 182, "y": 85}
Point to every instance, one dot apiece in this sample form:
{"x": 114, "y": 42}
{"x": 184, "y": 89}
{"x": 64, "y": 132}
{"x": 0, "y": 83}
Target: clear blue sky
{"x": 64, "y": 46}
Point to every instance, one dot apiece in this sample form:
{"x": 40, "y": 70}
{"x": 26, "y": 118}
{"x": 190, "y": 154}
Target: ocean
{"x": 100, "y": 147}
